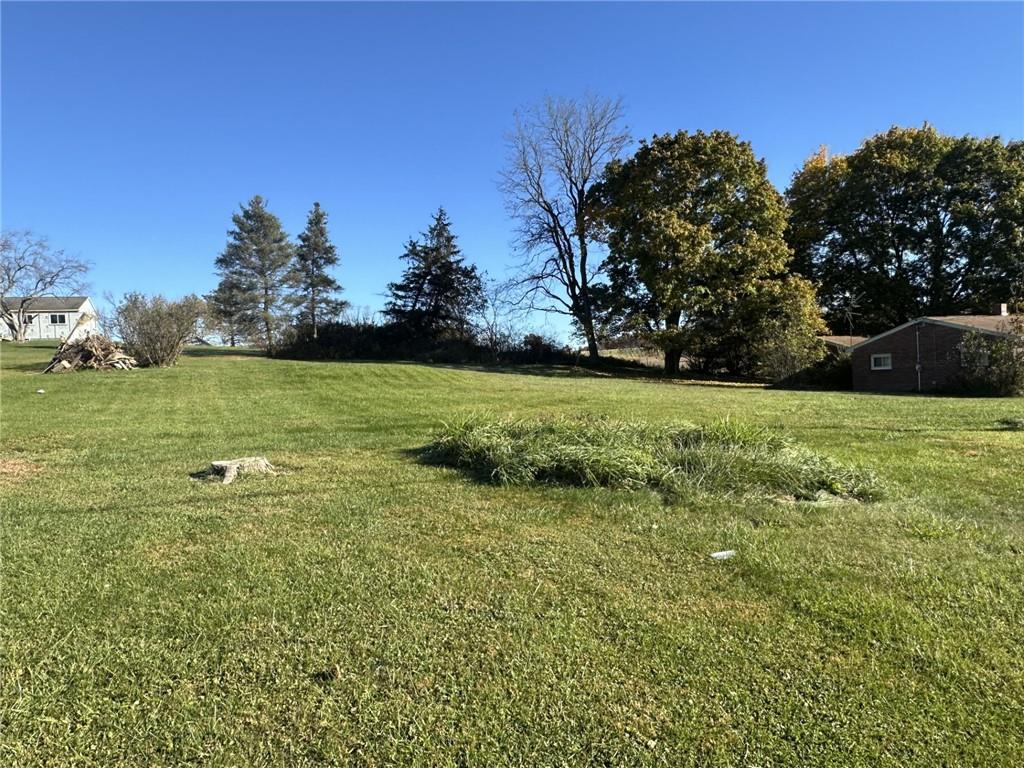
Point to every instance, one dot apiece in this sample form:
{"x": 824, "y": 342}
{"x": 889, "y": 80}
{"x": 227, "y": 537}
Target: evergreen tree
{"x": 438, "y": 292}
{"x": 254, "y": 269}
{"x": 315, "y": 289}
{"x": 228, "y": 313}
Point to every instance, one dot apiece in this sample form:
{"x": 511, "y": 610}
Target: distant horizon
{"x": 133, "y": 131}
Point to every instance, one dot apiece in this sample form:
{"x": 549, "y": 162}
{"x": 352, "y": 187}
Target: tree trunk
{"x": 586, "y": 320}
{"x": 672, "y": 357}
{"x": 312, "y": 311}
{"x": 588, "y": 332}
{"x": 268, "y": 327}
{"x": 672, "y": 354}
{"x": 21, "y": 332}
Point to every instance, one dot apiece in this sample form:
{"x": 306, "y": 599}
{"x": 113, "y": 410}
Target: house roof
{"x": 843, "y": 342}
{"x": 998, "y": 325}
{"x": 48, "y": 303}
{"x": 988, "y": 323}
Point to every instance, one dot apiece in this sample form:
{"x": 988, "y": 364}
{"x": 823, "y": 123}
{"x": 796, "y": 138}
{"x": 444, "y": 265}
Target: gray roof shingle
{"x": 48, "y": 303}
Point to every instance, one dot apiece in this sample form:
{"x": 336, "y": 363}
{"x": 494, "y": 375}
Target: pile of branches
{"x": 92, "y": 351}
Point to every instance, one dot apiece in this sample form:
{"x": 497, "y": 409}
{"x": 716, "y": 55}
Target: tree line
{"x": 271, "y": 290}
{"x": 683, "y": 245}
{"x": 686, "y": 245}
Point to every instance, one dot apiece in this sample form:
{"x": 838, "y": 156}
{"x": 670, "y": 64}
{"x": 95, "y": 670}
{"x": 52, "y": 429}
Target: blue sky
{"x": 131, "y": 132}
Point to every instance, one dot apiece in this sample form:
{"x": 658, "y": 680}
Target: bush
{"x": 154, "y": 330}
{"x": 992, "y": 365}
{"x": 395, "y": 341}
{"x": 540, "y": 350}
{"x": 725, "y": 459}
{"x": 834, "y": 371}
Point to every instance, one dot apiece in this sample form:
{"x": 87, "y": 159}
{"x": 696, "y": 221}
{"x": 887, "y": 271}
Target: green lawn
{"x": 368, "y": 609}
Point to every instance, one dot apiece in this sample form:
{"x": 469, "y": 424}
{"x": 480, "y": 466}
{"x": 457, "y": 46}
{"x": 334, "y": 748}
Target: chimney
{"x": 1002, "y": 310}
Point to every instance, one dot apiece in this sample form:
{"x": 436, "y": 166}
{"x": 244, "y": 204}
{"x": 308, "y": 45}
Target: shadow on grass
{"x": 209, "y": 350}
{"x": 615, "y": 371}
{"x": 426, "y": 456}
{"x": 561, "y": 371}
{"x": 26, "y": 367}
{"x": 13, "y": 350}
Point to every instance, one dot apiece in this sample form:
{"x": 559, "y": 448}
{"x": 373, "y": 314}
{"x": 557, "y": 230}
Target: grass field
{"x": 369, "y": 609}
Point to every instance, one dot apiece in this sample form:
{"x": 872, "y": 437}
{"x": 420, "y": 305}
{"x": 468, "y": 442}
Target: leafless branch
{"x": 556, "y": 152}
{"x": 30, "y": 270}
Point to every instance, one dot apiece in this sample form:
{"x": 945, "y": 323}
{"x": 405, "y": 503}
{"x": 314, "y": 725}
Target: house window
{"x": 974, "y": 357}
{"x": 58, "y": 319}
{"x": 881, "y": 362}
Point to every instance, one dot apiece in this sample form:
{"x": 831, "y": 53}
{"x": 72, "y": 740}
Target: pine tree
{"x": 438, "y": 292}
{"x": 254, "y": 268}
{"x": 229, "y": 313}
{"x": 315, "y": 289}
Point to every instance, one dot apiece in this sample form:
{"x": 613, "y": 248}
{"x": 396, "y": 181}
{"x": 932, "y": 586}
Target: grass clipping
{"x": 725, "y": 459}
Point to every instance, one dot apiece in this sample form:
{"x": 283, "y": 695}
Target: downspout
{"x": 917, "y": 333}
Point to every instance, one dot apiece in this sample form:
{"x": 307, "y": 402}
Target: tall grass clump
{"x": 722, "y": 459}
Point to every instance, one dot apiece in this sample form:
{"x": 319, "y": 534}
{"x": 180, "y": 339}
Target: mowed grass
{"x": 370, "y": 609}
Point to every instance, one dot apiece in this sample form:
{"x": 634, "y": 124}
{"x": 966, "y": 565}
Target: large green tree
{"x": 438, "y": 293}
{"x": 912, "y": 223}
{"x": 316, "y": 290}
{"x": 255, "y": 268}
{"x": 697, "y": 261}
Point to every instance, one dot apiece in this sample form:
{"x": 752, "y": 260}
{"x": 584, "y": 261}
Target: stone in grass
{"x": 227, "y": 470}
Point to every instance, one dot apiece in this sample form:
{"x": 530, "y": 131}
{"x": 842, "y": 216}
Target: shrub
{"x": 538, "y": 350}
{"x": 724, "y": 459}
{"x": 993, "y": 365}
{"x": 834, "y": 371}
{"x": 395, "y": 341}
{"x": 787, "y": 341}
{"x": 154, "y": 330}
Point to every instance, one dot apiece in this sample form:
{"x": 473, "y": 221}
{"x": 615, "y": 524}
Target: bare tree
{"x": 497, "y": 324}
{"x": 556, "y": 153}
{"x": 30, "y": 270}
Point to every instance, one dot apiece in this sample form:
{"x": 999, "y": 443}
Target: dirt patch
{"x": 14, "y": 471}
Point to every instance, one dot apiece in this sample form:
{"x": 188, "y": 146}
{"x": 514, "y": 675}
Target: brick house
{"x": 922, "y": 355}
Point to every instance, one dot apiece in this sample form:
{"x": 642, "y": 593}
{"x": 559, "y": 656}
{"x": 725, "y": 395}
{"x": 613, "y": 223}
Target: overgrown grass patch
{"x": 725, "y": 458}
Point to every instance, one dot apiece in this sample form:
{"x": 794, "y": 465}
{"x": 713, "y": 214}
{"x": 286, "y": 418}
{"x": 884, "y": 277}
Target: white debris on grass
{"x": 725, "y": 554}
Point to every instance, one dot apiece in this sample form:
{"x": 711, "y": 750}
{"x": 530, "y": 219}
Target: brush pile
{"x": 92, "y": 351}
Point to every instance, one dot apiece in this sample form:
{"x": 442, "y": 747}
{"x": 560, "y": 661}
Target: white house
{"x": 55, "y": 317}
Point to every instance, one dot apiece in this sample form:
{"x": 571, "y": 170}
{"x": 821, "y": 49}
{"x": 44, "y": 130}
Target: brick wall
{"x": 939, "y": 356}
